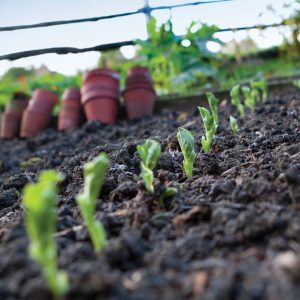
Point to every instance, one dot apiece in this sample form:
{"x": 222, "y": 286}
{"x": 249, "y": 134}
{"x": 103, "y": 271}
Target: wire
{"x": 144, "y": 10}
{"x": 104, "y": 47}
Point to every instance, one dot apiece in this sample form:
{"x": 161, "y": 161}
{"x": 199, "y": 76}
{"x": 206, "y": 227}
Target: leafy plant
{"x": 262, "y": 86}
{"x": 39, "y": 202}
{"x": 179, "y": 63}
{"x": 187, "y": 145}
{"x": 94, "y": 175}
{"x": 213, "y": 105}
{"x": 233, "y": 124}
{"x": 149, "y": 153}
{"x": 210, "y": 128}
{"x": 250, "y": 97}
{"x": 236, "y": 101}
{"x": 297, "y": 83}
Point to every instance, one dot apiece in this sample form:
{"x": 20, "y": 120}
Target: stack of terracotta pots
{"x": 38, "y": 114}
{"x": 70, "y": 112}
{"x": 100, "y": 95}
{"x": 11, "y": 118}
{"x": 139, "y": 95}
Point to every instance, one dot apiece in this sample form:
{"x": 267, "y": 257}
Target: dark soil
{"x": 231, "y": 232}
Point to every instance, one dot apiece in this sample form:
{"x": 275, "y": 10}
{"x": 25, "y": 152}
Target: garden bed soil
{"x": 231, "y": 232}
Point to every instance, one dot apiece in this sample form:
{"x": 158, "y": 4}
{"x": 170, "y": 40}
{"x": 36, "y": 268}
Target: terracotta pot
{"x": 98, "y": 92}
{"x": 18, "y": 103}
{"x": 72, "y": 93}
{"x": 102, "y": 109}
{"x": 10, "y": 125}
{"x": 34, "y": 121}
{"x": 100, "y": 78}
{"x": 43, "y": 100}
{"x": 139, "y": 102}
{"x": 69, "y": 115}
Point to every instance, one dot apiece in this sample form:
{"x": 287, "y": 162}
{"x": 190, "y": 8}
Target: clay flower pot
{"x": 11, "y": 120}
{"x": 38, "y": 114}
{"x": 102, "y": 109}
{"x": 100, "y": 93}
{"x": 102, "y": 77}
{"x": 69, "y": 115}
{"x": 10, "y": 125}
{"x": 43, "y": 100}
{"x": 33, "y": 122}
{"x": 18, "y": 103}
{"x": 139, "y": 102}
{"x": 139, "y": 95}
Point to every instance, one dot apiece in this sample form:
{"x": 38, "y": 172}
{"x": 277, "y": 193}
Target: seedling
{"x": 262, "y": 86}
{"x": 168, "y": 192}
{"x": 210, "y": 128}
{"x": 213, "y": 105}
{"x": 94, "y": 175}
{"x": 233, "y": 124}
{"x": 39, "y": 201}
{"x": 187, "y": 145}
{"x": 236, "y": 100}
{"x": 250, "y": 97}
{"x": 297, "y": 83}
{"x": 149, "y": 153}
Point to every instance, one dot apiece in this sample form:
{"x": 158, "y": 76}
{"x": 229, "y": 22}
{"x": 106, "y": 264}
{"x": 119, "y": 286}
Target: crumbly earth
{"x": 231, "y": 232}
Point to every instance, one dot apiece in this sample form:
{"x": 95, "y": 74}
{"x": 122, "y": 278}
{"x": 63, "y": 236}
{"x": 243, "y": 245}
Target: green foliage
{"x": 20, "y": 79}
{"x": 233, "y": 125}
{"x": 210, "y": 128}
{"x": 39, "y": 201}
{"x": 213, "y": 105}
{"x": 149, "y": 153}
{"x": 187, "y": 145}
{"x": 262, "y": 86}
{"x": 250, "y": 97}
{"x": 94, "y": 176}
{"x": 236, "y": 100}
{"x": 178, "y": 63}
{"x": 296, "y": 83}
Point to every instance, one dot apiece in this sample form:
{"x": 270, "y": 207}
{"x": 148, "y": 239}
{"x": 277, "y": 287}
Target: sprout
{"x": 213, "y": 105}
{"x": 149, "y": 153}
{"x": 236, "y": 101}
{"x": 233, "y": 124}
{"x": 187, "y": 144}
{"x": 250, "y": 97}
{"x": 94, "y": 175}
{"x": 297, "y": 83}
{"x": 39, "y": 201}
{"x": 261, "y": 85}
{"x": 168, "y": 192}
{"x": 210, "y": 128}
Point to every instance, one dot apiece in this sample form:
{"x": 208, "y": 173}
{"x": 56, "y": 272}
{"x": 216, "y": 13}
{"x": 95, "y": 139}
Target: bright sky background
{"x": 16, "y": 12}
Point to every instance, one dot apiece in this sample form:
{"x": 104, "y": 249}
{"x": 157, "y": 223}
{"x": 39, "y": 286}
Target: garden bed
{"x": 221, "y": 237}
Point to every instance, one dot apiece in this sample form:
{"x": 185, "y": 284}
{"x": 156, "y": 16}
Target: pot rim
{"x": 101, "y": 72}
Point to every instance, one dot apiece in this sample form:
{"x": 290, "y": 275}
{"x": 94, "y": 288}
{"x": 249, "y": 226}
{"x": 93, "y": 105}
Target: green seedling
{"x": 94, "y": 176}
{"x": 39, "y": 202}
{"x": 262, "y": 86}
{"x": 250, "y": 97}
{"x": 213, "y": 105}
{"x": 187, "y": 145}
{"x": 233, "y": 125}
{"x": 210, "y": 128}
{"x": 296, "y": 83}
{"x": 236, "y": 100}
{"x": 168, "y": 192}
{"x": 149, "y": 153}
